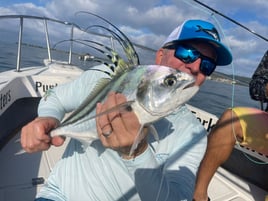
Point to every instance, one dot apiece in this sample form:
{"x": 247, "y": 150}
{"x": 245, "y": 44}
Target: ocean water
{"x": 213, "y": 97}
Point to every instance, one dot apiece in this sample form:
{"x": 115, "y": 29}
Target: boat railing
{"x": 44, "y": 19}
{"x": 71, "y": 40}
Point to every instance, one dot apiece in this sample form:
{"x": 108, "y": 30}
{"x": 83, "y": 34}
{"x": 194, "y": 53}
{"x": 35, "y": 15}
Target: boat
{"x": 21, "y": 87}
{"x": 86, "y": 57}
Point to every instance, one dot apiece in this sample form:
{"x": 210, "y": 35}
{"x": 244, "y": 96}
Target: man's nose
{"x": 194, "y": 67}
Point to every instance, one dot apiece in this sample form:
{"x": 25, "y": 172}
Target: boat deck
{"x": 226, "y": 186}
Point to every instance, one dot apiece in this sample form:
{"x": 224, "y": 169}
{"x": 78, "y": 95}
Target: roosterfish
{"x": 152, "y": 92}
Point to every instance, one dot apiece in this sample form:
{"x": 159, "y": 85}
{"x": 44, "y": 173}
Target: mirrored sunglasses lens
{"x": 207, "y": 67}
{"x": 186, "y": 55}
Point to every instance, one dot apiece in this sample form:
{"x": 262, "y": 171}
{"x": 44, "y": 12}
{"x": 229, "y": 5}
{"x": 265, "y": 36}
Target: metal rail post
{"x": 19, "y": 45}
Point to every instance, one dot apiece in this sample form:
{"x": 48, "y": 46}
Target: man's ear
{"x": 159, "y": 55}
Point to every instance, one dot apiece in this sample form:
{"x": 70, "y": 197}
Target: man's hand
{"x": 35, "y": 135}
{"x": 117, "y": 130}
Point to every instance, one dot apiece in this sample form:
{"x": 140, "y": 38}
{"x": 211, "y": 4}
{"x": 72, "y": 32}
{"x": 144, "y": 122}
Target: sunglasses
{"x": 188, "y": 54}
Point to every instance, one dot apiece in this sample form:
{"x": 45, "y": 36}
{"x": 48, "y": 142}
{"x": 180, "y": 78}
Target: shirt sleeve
{"x": 167, "y": 171}
{"x": 67, "y": 97}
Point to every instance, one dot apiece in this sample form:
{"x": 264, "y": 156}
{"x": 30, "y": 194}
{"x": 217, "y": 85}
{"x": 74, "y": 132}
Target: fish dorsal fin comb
{"x": 122, "y": 39}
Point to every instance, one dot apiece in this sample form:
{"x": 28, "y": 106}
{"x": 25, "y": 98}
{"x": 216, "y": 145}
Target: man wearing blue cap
{"x": 157, "y": 171}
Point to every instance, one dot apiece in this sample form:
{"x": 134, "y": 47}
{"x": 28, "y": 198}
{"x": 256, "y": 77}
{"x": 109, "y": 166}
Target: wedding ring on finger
{"x": 107, "y": 134}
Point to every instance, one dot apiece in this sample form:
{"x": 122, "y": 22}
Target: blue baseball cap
{"x": 199, "y": 30}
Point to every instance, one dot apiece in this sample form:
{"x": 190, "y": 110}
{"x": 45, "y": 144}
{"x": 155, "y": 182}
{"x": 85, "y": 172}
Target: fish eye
{"x": 170, "y": 80}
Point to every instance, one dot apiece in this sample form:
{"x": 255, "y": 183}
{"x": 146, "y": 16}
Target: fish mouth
{"x": 189, "y": 85}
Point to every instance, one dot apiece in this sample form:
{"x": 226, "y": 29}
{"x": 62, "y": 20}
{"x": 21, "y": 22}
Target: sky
{"x": 149, "y": 22}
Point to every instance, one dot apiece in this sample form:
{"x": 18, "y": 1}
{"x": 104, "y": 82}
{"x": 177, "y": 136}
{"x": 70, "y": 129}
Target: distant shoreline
{"x": 221, "y": 77}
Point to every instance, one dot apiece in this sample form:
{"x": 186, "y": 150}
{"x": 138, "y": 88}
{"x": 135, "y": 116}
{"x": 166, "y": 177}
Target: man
{"x": 157, "y": 171}
{"x": 245, "y": 125}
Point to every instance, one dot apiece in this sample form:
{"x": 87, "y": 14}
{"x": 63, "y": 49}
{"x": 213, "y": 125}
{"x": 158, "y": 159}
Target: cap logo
{"x": 212, "y": 32}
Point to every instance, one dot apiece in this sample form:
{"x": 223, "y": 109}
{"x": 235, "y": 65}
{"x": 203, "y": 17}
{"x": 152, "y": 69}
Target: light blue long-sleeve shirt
{"x": 165, "y": 171}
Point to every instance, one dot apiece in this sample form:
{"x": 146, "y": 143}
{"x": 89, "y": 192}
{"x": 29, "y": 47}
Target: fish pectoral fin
{"x": 140, "y": 136}
{"x": 121, "y": 108}
{"x": 153, "y": 131}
